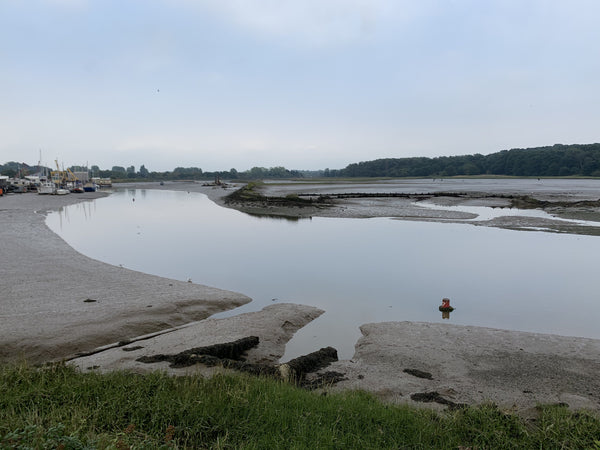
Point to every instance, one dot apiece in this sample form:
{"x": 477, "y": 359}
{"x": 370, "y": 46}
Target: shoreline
{"x": 45, "y": 316}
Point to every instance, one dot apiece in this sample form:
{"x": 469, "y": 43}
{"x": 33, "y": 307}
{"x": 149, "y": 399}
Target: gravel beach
{"x": 56, "y": 303}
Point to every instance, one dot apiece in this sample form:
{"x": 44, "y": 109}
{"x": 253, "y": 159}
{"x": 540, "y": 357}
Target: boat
{"x": 61, "y": 191}
{"x": 46, "y": 187}
{"x": 77, "y": 188}
{"x": 90, "y": 187}
{"x": 102, "y": 182}
{"x": 19, "y": 185}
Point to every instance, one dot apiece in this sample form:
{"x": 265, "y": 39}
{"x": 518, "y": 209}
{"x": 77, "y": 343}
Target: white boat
{"x": 61, "y": 191}
{"x": 46, "y": 187}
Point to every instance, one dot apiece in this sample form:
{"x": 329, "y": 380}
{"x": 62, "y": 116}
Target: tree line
{"x": 13, "y": 169}
{"x": 553, "y": 161}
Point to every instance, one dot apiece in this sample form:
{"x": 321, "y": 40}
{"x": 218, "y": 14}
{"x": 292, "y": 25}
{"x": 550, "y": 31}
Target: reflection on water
{"x": 357, "y": 270}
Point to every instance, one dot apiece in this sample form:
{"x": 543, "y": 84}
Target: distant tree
{"x": 256, "y": 173}
{"x": 143, "y": 172}
{"x": 187, "y": 173}
{"x": 118, "y": 169}
{"x": 8, "y": 172}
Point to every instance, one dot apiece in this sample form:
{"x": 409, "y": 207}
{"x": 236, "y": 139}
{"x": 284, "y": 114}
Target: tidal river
{"x": 357, "y": 270}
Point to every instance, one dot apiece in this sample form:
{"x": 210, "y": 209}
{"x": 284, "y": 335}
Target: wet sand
{"x": 56, "y": 302}
{"x": 45, "y": 316}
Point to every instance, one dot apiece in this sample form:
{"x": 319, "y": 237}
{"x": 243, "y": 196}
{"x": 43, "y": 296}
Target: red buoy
{"x": 445, "y": 307}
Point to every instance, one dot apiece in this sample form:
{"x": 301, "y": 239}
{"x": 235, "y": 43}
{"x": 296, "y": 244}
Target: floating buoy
{"x": 445, "y": 307}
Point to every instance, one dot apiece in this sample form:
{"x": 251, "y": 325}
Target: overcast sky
{"x": 305, "y": 84}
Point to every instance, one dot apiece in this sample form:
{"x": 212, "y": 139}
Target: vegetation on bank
{"x": 249, "y": 194}
{"x": 59, "y": 407}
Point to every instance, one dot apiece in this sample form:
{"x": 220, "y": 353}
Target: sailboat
{"x": 46, "y": 186}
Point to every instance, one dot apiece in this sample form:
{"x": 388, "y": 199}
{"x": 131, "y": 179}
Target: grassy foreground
{"x": 62, "y": 408}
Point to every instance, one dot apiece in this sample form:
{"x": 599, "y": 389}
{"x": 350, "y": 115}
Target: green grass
{"x": 61, "y": 408}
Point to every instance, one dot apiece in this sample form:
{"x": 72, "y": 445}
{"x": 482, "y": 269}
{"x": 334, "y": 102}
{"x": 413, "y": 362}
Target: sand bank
{"x": 274, "y": 326}
{"x": 56, "y": 302}
{"x": 472, "y": 365}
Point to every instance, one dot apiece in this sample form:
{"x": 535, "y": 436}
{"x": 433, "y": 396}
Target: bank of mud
{"x": 408, "y": 200}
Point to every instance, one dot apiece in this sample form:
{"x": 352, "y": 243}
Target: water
{"x": 357, "y": 270}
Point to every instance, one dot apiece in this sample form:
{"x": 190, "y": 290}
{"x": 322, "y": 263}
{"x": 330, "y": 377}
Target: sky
{"x": 304, "y": 84}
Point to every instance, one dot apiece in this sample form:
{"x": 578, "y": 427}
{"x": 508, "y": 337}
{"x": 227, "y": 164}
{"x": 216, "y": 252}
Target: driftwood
{"x": 296, "y": 369}
{"x": 209, "y": 355}
{"x": 230, "y": 356}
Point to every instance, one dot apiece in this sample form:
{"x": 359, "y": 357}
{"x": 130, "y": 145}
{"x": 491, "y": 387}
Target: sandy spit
{"x": 55, "y": 302}
{"x": 274, "y": 326}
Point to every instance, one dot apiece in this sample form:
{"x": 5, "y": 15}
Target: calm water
{"x": 357, "y": 270}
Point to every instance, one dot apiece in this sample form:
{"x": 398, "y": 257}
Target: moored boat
{"x": 46, "y": 187}
{"x": 89, "y": 187}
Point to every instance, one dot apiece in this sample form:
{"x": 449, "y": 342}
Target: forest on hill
{"x": 555, "y": 161}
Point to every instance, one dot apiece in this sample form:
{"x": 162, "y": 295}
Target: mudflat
{"x": 56, "y": 302}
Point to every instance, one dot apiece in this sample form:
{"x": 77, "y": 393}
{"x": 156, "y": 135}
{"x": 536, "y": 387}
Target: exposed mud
{"x": 429, "y": 397}
{"x": 392, "y": 198}
{"x": 419, "y": 373}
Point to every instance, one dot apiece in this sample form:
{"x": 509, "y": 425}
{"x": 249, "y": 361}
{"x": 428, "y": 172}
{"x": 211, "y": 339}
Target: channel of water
{"x": 357, "y": 270}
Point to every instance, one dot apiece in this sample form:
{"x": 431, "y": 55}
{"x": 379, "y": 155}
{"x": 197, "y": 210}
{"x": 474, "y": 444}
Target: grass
{"x": 59, "y": 407}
